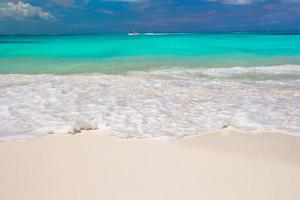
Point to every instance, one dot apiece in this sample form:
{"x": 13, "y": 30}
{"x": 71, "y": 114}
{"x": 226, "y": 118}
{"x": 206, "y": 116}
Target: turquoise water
{"x": 121, "y": 53}
{"x": 149, "y": 86}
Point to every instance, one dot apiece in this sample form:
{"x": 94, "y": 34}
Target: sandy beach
{"x": 149, "y": 100}
{"x": 89, "y": 165}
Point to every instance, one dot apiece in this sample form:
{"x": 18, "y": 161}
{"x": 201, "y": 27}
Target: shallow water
{"x": 122, "y": 53}
{"x": 154, "y": 86}
{"x": 157, "y": 104}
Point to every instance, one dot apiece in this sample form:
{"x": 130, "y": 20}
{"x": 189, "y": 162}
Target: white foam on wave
{"x": 267, "y": 72}
{"x": 146, "y": 105}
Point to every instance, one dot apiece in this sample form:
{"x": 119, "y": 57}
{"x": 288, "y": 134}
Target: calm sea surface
{"x": 121, "y": 53}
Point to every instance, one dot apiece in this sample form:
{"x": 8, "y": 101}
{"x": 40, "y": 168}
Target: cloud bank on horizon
{"x": 97, "y": 16}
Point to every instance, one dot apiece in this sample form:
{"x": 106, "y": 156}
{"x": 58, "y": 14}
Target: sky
{"x": 121, "y": 16}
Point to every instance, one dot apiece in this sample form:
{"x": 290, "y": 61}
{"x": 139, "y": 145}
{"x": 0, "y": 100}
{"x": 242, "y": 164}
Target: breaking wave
{"x": 167, "y": 103}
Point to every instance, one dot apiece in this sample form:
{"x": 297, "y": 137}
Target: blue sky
{"x": 106, "y": 16}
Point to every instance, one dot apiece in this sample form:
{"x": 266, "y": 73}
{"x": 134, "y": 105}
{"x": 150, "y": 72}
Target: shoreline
{"x": 220, "y": 165}
{"x": 108, "y": 133}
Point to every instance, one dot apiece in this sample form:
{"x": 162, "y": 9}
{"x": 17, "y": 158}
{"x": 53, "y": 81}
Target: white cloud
{"x": 236, "y": 2}
{"x": 21, "y": 10}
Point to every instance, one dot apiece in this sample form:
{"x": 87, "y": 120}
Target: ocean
{"x": 161, "y": 86}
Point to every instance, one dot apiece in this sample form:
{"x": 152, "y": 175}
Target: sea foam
{"x": 166, "y": 103}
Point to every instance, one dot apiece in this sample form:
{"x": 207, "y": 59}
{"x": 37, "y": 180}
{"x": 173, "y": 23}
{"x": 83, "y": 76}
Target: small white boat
{"x": 133, "y": 33}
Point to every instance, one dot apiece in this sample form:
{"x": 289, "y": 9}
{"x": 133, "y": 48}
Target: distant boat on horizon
{"x": 133, "y": 33}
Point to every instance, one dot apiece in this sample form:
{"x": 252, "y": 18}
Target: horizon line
{"x": 292, "y": 31}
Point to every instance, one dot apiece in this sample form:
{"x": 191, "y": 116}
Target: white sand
{"x": 93, "y": 166}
